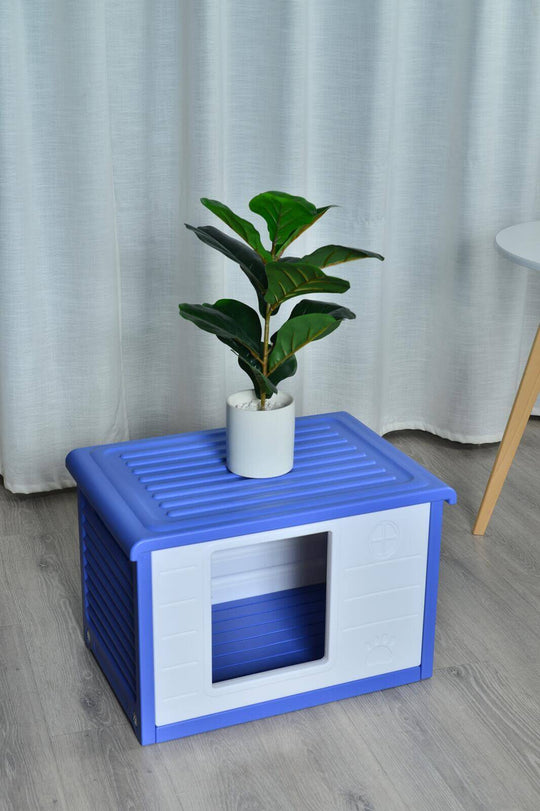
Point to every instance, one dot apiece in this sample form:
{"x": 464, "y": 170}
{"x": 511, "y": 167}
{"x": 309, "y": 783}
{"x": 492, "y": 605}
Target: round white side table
{"x": 521, "y": 244}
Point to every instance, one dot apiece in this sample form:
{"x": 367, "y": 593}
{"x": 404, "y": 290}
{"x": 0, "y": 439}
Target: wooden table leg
{"x": 521, "y": 411}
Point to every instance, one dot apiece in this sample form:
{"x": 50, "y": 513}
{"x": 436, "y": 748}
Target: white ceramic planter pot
{"x": 260, "y": 444}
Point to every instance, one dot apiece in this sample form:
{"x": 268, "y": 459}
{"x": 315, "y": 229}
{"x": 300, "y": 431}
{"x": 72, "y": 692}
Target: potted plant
{"x": 260, "y": 421}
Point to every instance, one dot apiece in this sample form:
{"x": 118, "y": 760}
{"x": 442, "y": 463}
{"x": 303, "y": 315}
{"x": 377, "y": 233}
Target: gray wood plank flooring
{"x": 469, "y": 738}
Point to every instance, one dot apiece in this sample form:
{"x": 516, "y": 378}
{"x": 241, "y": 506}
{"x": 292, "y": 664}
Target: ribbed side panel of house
{"x": 108, "y": 601}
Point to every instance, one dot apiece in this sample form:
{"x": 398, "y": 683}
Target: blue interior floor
{"x": 268, "y": 631}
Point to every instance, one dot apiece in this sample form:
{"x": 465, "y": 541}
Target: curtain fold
{"x": 420, "y": 120}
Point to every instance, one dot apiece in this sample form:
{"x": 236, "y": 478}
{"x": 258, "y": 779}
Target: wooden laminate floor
{"x": 469, "y": 738}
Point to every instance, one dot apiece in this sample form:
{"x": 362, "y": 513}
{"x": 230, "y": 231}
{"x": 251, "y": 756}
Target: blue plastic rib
{"x": 268, "y": 631}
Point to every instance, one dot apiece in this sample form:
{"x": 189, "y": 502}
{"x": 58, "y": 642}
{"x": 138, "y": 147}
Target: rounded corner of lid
{"x": 73, "y": 458}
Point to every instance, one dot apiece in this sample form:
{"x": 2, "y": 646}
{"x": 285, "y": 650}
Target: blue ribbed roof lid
{"x": 173, "y": 490}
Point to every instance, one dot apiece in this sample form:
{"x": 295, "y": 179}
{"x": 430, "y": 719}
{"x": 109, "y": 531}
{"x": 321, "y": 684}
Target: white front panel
{"x": 375, "y": 607}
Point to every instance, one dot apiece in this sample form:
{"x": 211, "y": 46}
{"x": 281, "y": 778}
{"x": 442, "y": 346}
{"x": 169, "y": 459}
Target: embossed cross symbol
{"x": 384, "y": 540}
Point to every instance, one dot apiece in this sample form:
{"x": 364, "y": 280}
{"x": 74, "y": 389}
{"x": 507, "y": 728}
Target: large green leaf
{"x": 261, "y": 384}
{"x": 296, "y": 333}
{"x": 286, "y": 216}
{"x": 249, "y": 261}
{"x": 242, "y": 315}
{"x": 336, "y": 254}
{"x": 242, "y": 227}
{"x": 289, "y": 279}
{"x": 286, "y": 369}
{"x": 301, "y": 229}
{"x": 211, "y": 319}
{"x": 307, "y": 306}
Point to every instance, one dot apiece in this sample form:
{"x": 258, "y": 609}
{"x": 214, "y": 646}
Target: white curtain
{"x": 420, "y": 119}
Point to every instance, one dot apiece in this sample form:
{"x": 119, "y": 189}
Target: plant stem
{"x": 265, "y": 352}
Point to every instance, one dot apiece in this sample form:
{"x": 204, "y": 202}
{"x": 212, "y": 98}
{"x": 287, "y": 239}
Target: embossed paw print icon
{"x": 380, "y": 650}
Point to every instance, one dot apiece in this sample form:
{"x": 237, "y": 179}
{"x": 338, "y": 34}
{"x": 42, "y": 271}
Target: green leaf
{"x": 249, "y": 261}
{"x": 307, "y": 306}
{"x": 243, "y": 315}
{"x": 242, "y": 227}
{"x": 286, "y": 369}
{"x": 336, "y": 254}
{"x": 296, "y": 234}
{"x": 211, "y": 319}
{"x": 296, "y": 333}
{"x": 289, "y": 279}
{"x": 239, "y": 327}
{"x": 286, "y": 216}
{"x": 261, "y": 384}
